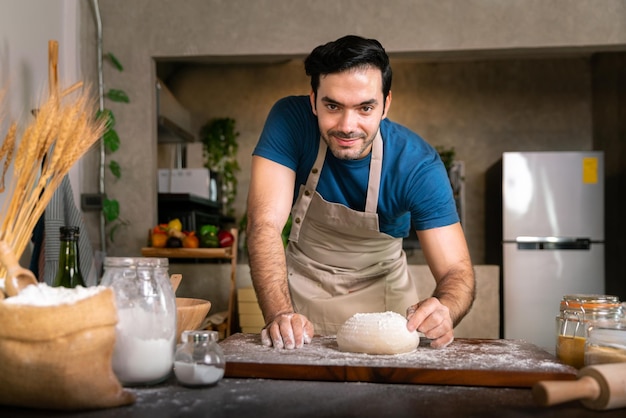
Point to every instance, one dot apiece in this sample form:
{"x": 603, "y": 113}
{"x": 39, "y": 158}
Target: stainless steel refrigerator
{"x": 552, "y": 238}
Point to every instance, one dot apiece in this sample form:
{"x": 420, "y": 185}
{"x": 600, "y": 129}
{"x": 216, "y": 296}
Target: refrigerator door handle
{"x": 552, "y": 243}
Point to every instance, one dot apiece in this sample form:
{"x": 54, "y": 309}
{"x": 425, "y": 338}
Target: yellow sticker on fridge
{"x": 590, "y": 170}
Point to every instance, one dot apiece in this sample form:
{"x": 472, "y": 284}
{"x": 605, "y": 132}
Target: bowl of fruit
{"x": 171, "y": 235}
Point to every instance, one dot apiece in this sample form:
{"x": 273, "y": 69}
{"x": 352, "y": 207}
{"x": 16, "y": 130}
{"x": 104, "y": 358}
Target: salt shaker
{"x": 146, "y": 329}
{"x": 199, "y": 360}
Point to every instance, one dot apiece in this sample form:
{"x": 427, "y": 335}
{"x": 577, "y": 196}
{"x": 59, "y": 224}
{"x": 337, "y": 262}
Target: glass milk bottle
{"x": 146, "y": 329}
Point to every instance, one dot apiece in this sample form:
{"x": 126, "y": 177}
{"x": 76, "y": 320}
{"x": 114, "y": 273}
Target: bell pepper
{"x": 208, "y": 236}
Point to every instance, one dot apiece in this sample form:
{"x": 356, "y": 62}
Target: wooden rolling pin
{"x": 598, "y": 387}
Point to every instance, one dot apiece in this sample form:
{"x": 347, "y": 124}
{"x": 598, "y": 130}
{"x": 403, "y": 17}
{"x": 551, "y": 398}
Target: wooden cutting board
{"x": 466, "y": 362}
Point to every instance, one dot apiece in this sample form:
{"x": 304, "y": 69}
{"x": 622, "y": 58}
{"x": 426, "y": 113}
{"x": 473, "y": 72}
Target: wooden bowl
{"x": 190, "y": 313}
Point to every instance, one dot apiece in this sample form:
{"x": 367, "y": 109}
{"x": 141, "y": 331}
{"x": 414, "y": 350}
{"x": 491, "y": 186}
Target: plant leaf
{"x": 117, "y": 95}
{"x": 110, "y": 209}
{"x": 111, "y": 141}
{"x": 114, "y": 228}
{"x": 113, "y": 60}
{"x": 112, "y": 232}
{"x": 115, "y": 168}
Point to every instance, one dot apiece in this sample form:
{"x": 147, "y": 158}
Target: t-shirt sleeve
{"x": 288, "y": 122}
{"x": 435, "y": 206}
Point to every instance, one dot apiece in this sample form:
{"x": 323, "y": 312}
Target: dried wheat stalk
{"x": 64, "y": 129}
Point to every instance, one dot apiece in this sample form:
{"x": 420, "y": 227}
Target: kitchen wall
{"x": 481, "y": 108}
{"x": 609, "y": 132}
{"x": 24, "y": 56}
{"x": 24, "y": 63}
{"x": 482, "y": 76}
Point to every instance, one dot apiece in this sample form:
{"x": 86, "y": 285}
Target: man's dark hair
{"x": 347, "y": 53}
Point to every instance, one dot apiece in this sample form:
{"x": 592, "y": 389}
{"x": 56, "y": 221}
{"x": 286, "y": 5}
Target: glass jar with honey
{"x": 577, "y": 312}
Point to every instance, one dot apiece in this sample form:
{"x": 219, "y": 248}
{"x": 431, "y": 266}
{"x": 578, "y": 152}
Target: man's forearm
{"x": 269, "y": 272}
{"x": 457, "y": 290}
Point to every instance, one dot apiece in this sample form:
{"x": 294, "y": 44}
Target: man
{"x": 353, "y": 182}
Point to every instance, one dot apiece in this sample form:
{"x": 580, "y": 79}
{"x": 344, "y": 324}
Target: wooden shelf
{"x": 187, "y": 252}
{"x": 228, "y": 253}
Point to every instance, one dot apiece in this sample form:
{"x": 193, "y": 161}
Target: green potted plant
{"x": 454, "y": 170}
{"x": 219, "y": 143}
{"x": 111, "y": 141}
{"x": 446, "y": 155}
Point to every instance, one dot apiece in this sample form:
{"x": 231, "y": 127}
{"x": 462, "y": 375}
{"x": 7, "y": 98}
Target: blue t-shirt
{"x": 414, "y": 184}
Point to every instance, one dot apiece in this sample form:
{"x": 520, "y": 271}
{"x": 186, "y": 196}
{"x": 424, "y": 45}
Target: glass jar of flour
{"x": 146, "y": 328}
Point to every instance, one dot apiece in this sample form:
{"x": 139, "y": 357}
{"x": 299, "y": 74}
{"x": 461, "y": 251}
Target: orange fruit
{"x": 159, "y": 240}
{"x": 191, "y": 241}
{"x": 160, "y": 229}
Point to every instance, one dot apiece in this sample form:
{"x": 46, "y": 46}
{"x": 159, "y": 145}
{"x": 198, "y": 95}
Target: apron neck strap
{"x": 299, "y": 210}
{"x": 301, "y": 206}
{"x": 376, "y": 168}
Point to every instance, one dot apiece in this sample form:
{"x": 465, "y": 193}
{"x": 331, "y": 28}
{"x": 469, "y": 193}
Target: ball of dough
{"x": 377, "y": 333}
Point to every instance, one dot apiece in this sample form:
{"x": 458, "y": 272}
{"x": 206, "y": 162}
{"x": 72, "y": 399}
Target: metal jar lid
{"x": 591, "y": 305}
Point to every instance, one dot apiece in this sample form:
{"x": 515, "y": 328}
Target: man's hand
{"x": 289, "y": 331}
{"x": 431, "y": 318}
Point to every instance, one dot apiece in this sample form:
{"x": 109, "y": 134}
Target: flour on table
{"x": 377, "y": 333}
{"x": 463, "y": 354}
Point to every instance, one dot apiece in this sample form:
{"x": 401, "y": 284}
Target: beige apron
{"x": 338, "y": 261}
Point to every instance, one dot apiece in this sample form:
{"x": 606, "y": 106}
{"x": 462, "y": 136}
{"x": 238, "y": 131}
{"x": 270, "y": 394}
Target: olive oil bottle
{"x": 68, "y": 273}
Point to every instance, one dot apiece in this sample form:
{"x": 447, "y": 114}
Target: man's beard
{"x": 344, "y": 153}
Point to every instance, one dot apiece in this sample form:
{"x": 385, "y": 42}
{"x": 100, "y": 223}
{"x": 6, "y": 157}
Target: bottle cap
{"x": 199, "y": 336}
{"x": 69, "y": 233}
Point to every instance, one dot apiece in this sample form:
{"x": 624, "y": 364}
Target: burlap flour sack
{"x": 59, "y": 357}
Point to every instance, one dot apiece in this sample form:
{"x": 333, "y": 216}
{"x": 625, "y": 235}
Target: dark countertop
{"x": 260, "y": 398}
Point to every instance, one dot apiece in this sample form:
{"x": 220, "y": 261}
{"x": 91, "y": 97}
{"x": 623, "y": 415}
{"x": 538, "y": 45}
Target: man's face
{"x": 349, "y": 107}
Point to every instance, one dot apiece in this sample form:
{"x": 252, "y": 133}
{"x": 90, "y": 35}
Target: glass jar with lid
{"x": 199, "y": 360}
{"x": 606, "y": 342}
{"x": 577, "y": 313}
{"x": 146, "y": 330}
